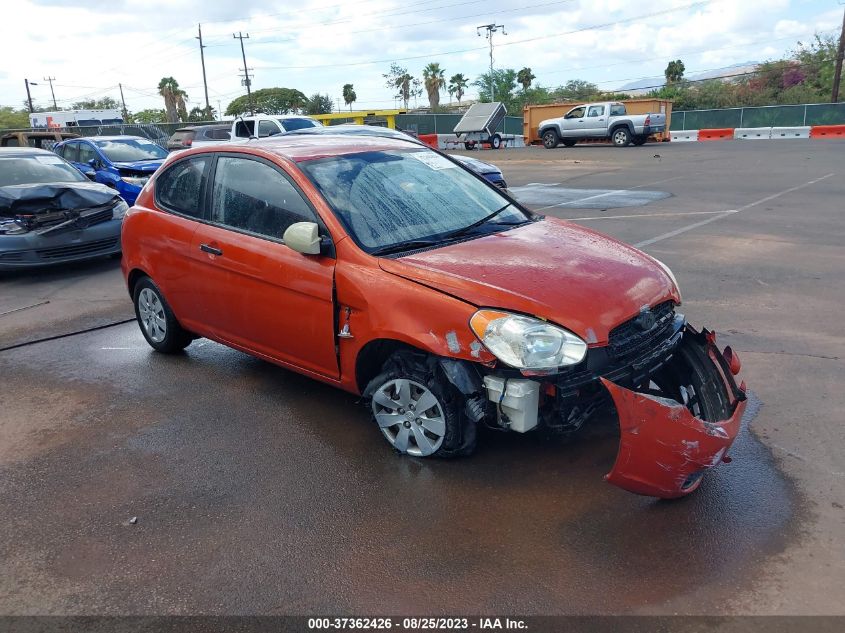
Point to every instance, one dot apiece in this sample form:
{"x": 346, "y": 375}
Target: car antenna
{"x": 251, "y": 134}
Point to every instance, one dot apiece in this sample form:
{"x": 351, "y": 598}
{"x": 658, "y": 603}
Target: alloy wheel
{"x": 410, "y": 416}
{"x": 151, "y": 314}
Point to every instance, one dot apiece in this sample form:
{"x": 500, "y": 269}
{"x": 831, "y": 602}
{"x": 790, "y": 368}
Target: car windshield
{"x": 297, "y": 124}
{"x": 31, "y": 170}
{"x": 387, "y": 198}
{"x": 124, "y": 150}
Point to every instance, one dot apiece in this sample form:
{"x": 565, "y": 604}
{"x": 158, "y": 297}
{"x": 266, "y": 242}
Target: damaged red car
{"x": 390, "y": 270}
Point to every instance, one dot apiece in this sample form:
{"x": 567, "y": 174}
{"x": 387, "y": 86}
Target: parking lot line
{"x": 607, "y": 193}
{"x": 726, "y": 213}
{"x": 647, "y": 215}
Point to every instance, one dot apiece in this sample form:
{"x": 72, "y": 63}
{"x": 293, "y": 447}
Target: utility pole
{"x": 490, "y": 29}
{"x": 837, "y": 73}
{"x": 51, "y": 80}
{"x": 246, "y": 70}
{"x": 202, "y": 59}
{"x": 123, "y": 101}
{"x": 29, "y": 96}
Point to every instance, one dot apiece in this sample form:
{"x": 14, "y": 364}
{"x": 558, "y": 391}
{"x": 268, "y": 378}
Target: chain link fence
{"x": 762, "y": 116}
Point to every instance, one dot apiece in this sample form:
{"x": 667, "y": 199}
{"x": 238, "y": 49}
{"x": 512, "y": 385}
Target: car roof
{"x": 301, "y": 147}
{"x": 119, "y": 137}
{"x": 24, "y": 151}
{"x": 221, "y": 126}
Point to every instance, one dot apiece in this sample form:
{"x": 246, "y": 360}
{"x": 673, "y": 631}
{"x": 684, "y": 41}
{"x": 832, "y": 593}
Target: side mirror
{"x": 303, "y": 237}
{"x": 90, "y": 174}
{"x": 94, "y": 163}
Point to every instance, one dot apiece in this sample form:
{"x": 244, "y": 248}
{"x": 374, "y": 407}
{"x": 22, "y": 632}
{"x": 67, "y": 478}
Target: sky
{"x": 319, "y": 45}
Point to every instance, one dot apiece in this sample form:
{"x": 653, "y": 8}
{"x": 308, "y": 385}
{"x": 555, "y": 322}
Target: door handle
{"x": 210, "y": 249}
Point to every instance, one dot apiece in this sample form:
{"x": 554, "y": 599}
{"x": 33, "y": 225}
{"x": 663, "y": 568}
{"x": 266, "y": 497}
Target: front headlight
{"x": 671, "y": 275}
{"x": 119, "y": 210}
{"x": 525, "y": 342}
{"x": 138, "y": 181}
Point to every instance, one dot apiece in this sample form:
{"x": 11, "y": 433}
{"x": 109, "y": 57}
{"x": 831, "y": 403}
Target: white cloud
{"x": 90, "y": 46}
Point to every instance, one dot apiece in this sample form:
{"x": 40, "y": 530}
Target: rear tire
{"x": 495, "y": 141}
{"x": 468, "y": 145}
{"x": 639, "y": 140}
{"x": 419, "y": 412}
{"x": 156, "y": 320}
{"x": 550, "y": 139}
{"x": 569, "y": 142}
{"x": 621, "y": 137}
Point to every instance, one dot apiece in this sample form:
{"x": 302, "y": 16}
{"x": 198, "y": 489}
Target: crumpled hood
{"x": 47, "y": 197}
{"x": 570, "y": 275}
{"x": 141, "y": 165}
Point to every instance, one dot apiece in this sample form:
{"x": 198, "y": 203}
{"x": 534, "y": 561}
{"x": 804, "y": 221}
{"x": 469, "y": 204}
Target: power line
{"x": 510, "y": 43}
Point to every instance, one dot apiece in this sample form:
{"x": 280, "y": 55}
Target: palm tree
{"x": 525, "y": 77}
{"x": 434, "y": 83}
{"x": 457, "y": 86}
{"x": 174, "y": 99}
{"x": 349, "y": 96}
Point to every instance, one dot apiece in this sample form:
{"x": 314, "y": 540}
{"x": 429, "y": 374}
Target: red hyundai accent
{"x": 390, "y": 270}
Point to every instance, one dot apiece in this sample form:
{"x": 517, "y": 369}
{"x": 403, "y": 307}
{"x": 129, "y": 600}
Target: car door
{"x": 574, "y": 123}
{"x": 180, "y": 193}
{"x": 251, "y": 289}
{"x": 596, "y": 123}
{"x": 87, "y": 153}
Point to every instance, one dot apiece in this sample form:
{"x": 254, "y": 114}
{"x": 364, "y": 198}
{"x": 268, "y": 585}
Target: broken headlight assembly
{"x": 119, "y": 210}
{"x": 138, "y": 181}
{"x": 526, "y": 342}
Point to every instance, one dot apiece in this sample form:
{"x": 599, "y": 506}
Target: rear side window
{"x": 617, "y": 110}
{"x": 71, "y": 152}
{"x": 86, "y": 153}
{"x": 267, "y": 128}
{"x": 297, "y": 124}
{"x": 252, "y": 196}
{"x": 220, "y": 134}
{"x": 180, "y": 187}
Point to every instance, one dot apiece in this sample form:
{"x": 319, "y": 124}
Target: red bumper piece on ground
{"x": 664, "y": 449}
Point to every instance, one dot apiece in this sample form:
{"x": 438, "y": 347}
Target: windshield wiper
{"x": 477, "y": 223}
{"x": 404, "y": 246}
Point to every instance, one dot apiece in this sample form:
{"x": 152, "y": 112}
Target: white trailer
{"x": 75, "y": 118}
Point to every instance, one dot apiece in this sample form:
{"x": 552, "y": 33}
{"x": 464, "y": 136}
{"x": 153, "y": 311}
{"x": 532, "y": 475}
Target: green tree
{"x": 405, "y": 85}
{"x": 504, "y": 85}
{"x": 458, "y": 86}
{"x": 349, "y": 96}
{"x": 674, "y": 71}
{"x": 174, "y": 99}
{"x": 269, "y": 101}
{"x": 319, "y": 104}
{"x": 576, "y": 90}
{"x": 150, "y": 115}
{"x": 11, "y": 118}
{"x": 525, "y": 77}
{"x": 104, "y": 103}
{"x": 198, "y": 114}
{"x": 434, "y": 82}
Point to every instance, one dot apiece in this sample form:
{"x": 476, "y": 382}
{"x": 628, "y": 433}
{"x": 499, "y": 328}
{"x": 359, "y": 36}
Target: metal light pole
{"x": 490, "y": 29}
{"x": 29, "y": 96}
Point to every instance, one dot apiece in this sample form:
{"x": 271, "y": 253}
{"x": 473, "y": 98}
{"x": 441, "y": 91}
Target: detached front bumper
{"x": 664, "y": 449}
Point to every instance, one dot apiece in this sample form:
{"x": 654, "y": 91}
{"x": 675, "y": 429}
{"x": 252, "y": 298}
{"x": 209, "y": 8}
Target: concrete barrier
{"x": 716, "y": 134}
{"x": 683, "y": 136}
{"x": 791, "y": 132}
{"x": 827, "y": 131}
{"x": 752, "y": 133}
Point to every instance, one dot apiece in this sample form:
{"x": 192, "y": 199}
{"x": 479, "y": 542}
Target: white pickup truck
{"x": 263, "y": 125}
{"x": 603, "y": 120}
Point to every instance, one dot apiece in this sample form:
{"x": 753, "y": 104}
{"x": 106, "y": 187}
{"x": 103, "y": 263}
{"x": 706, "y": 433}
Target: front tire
{"x": 156, "y": 320}
{"x": 495, "y": 141}
{"x": 419, "y": 412}
{"x": 621, "y": 137}
{"x": 550, "y": 139}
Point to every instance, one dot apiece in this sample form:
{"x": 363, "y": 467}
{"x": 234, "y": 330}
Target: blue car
{"x": 124, "y": 163}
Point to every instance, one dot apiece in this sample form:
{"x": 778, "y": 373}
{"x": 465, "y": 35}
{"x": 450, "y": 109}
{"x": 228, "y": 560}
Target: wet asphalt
{"x": 257, "y": 491}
